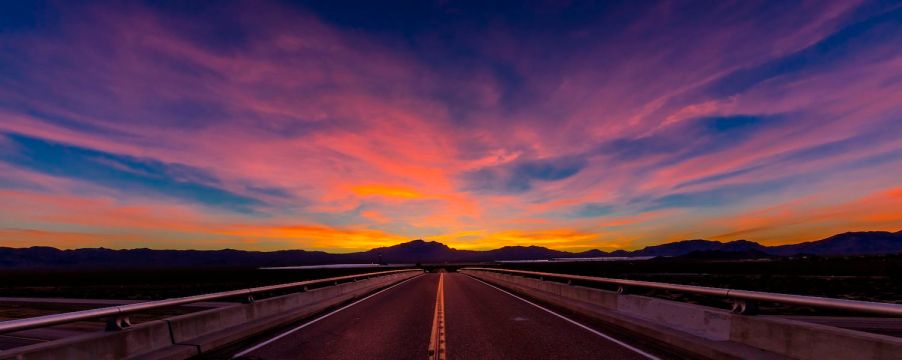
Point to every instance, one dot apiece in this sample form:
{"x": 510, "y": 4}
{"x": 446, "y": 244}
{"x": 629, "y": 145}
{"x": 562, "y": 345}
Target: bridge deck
{"x": 482, "y": 322}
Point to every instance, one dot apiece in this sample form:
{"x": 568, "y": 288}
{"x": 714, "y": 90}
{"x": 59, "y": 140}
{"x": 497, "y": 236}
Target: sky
{"x": 343, "y": 126}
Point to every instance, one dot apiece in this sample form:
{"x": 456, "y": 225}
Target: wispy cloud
{"x": 324, "y": 127}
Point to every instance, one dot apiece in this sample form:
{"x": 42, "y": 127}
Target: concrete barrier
{"x": 191, "y": 334}
{"x": 699, "y": 331}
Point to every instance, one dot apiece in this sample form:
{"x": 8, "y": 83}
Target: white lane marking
{"x": 267, "y": 342}
{"x": 574, "y": 322}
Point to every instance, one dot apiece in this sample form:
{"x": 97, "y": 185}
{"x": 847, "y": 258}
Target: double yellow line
{"x": 437, "y": 348}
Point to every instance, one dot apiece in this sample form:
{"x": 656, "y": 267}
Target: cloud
{"x": 690, "y": 138}
{"x": 386, "y": 191}
{"x": 717, "y": 197}
{"x": 624, "y": 124}
{"x": 592, "y": 210}
{"x": 520, "y": 176}
{"x": 797, "y": 221}
{"x": 564, "y": 239}
{"x": 843, "y": 45}
{"x": 316, "y": 236}
{"x": 124, "y": 173}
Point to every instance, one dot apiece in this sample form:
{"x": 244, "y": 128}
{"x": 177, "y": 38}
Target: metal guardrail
{"x": 119, "y": 314}
{"x": 744, "y": 300}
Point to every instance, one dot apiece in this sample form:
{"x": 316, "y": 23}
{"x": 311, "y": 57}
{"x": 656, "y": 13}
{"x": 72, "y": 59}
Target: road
{"x": 482, "y": 322}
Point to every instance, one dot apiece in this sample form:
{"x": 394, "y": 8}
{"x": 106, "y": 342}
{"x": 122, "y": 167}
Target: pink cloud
{"x": 315, "y": 110}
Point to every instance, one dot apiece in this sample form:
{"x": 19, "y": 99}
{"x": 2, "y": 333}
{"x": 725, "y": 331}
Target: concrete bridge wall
{"x": 701, "y": 331}
{"x": 199, "y": 332}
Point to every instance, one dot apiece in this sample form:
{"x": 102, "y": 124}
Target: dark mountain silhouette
{"x": 850, "y": 243}
{"x": 594, "y": 253}
{"x": 687, "y": 246}
{"x": 726, "y": 255}
{"x": 620, "y": 253}
{"x": 528, "y": 253}
{"x": 416, "y": 251}
{"x": 419, "y": 251}
{"x": 432, "y": 251}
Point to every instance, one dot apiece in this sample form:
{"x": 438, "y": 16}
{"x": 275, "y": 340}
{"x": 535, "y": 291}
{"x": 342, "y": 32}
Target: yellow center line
{"x": 437, "y": 348}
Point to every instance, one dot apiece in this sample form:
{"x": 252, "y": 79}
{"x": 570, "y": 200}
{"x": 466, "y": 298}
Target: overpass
{"x": 474, "y": 313}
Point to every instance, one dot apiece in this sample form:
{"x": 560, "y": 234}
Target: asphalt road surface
{"x": 482, "y": 322}
{"x": 393, "y": 324}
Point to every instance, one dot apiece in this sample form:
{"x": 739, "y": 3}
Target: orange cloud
{"x": 315, "y": 236}
{"x": 387, "y": 191}
{"x": 562, "y": 239}
{"x": 804, "y": 220}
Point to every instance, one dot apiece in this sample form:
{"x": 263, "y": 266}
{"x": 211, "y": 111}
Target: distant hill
{"x": 850, "y": 243}
{"x": 432, "y": 251}
{"x": 726, "y": 255}
{"x": 419, "y": 251}
{"x": 688, "y": 246}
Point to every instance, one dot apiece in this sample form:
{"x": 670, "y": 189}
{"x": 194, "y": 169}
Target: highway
{"x": 481, "y": 322}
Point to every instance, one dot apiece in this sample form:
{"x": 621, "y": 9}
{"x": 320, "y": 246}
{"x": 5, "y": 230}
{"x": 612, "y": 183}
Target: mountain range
{"x": 419, "y": 251}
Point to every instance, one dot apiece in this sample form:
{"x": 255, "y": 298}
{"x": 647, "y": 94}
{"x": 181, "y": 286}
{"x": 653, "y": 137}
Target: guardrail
{"x": 743, "y": 300}
{"x": 119, "y": 314}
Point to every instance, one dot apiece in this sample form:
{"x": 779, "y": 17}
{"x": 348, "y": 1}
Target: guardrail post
{"x": 118, "y": 323}
{"x": 622, "y": 290}
{"x": 248, "y": 300}
{"x": 744, "y": 307}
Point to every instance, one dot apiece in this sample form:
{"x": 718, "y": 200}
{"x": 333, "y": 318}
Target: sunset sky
{"x": 341, "y": 127}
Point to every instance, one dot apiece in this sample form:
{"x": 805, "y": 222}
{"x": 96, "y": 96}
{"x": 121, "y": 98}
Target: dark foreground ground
{"x": 137, "y": 285}
{"x": 150, "y": 283}
{"x": 870, "y": 278}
